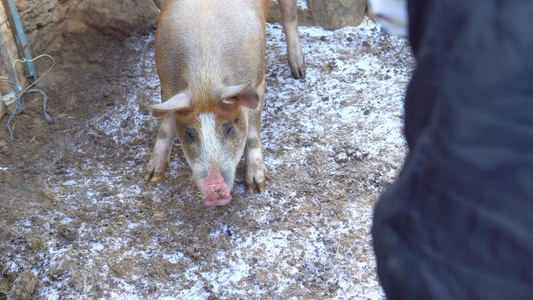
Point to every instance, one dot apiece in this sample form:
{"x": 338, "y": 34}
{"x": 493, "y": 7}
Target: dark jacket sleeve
{"x": 458, "y": 222}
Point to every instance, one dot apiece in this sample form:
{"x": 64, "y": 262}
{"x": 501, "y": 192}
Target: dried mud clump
{"x": 25, "y": 287}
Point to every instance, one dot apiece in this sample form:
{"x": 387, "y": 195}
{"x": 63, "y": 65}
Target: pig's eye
{"x": 228, "y": 129}
{"x": 190, "y": 135}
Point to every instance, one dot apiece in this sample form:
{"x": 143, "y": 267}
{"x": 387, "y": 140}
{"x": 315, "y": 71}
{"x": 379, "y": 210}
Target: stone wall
{"x": 8, "y": 55}
{"x": 118, "y": 17}
{"x": 44, "y": 20}
{"x": 10, "y": 76}
{"x": 329, "y": 14}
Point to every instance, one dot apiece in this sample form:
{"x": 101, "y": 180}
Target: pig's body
{"x": 210, "y": 58}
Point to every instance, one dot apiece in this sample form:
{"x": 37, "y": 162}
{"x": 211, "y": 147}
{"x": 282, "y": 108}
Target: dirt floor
{"x": 79, "y": 222}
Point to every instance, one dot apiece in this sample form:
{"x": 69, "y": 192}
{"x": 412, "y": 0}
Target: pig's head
{"x": 212, "y": 131}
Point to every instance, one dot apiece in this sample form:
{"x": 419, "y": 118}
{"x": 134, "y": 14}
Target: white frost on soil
{"x": 353, "y": 92}
{"x": 302, "y": 4}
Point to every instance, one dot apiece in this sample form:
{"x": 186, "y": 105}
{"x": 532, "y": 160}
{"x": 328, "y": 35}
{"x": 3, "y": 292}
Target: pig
{"x": 210, "y": 59}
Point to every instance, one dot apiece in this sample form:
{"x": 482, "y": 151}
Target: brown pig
{"x": 210, "y": 58}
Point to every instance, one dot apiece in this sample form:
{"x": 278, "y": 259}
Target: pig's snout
{"x": 214, "y": 189}
{"x": 216, "y": 198}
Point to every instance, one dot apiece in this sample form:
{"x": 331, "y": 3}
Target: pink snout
{"x": 214, "y": 189}
{"x": 217, "y": 197}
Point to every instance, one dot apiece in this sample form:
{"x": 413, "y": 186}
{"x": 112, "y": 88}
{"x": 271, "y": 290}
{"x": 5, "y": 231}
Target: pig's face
{"x": 212, "y": 131}
{"x": 213, "y": 143}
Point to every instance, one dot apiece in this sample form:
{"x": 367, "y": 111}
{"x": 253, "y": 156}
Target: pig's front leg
{"x": 256, "y": 172}
{"x": 289, "y": 20}
{"x": 155, "y": 169}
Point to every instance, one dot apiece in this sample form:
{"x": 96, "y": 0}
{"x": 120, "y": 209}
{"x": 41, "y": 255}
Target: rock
{"x": 335, "y": 14}
{"x": 330, "y": 14}
{"x": 25, "y": 287}
{"x": 118, "y": 17}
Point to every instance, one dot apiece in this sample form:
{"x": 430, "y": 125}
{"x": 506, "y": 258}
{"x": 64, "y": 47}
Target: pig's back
{"x": 210, "y": 43}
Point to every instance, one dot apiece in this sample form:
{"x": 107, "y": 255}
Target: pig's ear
{"x": 243, "y": 94}
{"x": 181, "y": 101}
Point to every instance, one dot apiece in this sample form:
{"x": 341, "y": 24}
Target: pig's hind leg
{"x": 289, "y": 20}
{"x": 155, "y": 169}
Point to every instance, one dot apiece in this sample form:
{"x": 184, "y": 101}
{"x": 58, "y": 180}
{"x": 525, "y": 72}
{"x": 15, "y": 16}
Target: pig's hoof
{"x": 297, "y": 62}
{"x": 258, "y": 181}
{"x": 298, "y": 69}
{"x": 154, "y": 173}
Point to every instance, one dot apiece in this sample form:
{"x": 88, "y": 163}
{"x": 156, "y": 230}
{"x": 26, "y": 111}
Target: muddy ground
{"x": 77, "y": 220}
